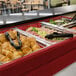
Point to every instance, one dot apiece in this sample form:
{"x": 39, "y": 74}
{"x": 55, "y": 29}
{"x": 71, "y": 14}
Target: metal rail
{"x": 56, "y": 27}
{"x": 40, "y": 40}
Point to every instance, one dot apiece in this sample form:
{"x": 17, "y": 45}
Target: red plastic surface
{"x": 53, "y": 67}
{"x": 27, "y": 64}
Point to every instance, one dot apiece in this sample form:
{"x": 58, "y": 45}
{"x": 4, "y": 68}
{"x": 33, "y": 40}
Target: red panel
{"x": 53, "y": 67}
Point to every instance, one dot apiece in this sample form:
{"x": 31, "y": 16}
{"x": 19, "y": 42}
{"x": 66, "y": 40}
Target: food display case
{"x": 49, "y": 55}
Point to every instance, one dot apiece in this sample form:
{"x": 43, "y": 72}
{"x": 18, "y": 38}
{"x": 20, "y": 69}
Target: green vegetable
{"x": 34, "y": 29}
{"x": 52, "y": 22}
{"x": 41, "y": 33}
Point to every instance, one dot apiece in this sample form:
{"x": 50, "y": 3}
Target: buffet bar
{"x": 38, "y": 45}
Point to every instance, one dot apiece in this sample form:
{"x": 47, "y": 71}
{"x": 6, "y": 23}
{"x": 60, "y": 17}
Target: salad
{"x": 59, "y": 22}
{"x": 46, "y": 33}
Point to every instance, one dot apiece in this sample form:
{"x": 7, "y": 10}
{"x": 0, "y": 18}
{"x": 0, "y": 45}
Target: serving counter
{"x": 46, "y": 61}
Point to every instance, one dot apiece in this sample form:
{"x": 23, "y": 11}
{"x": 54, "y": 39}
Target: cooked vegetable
{"x": 35, "y": 29}
{"x": 59, "y": 21}
{"x": 52, "y": 22}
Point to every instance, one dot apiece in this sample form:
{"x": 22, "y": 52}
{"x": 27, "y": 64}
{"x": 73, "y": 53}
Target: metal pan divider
{"x": 70, "y": 23}
{"x": 40, "y": 40}
{"x": 61, "y": 29}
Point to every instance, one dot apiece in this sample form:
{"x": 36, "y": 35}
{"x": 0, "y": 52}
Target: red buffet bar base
{"x": 44, "y": 62}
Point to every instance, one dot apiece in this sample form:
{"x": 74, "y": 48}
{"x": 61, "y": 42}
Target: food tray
{"x": 40, "y": 44}
{"x": 63, "y": 27}
{"x": 59, "y": 18}
{"x": 28, "y": 63}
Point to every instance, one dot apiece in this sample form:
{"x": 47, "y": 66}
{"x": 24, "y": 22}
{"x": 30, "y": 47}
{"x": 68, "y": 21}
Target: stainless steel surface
{"x": 70, "y": 23}
{"x": 18, "y": 17}
{"x": 56, "y": 27}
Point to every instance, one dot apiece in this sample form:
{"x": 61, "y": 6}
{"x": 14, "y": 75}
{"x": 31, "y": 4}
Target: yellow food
{"x": 8, "y": 52}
